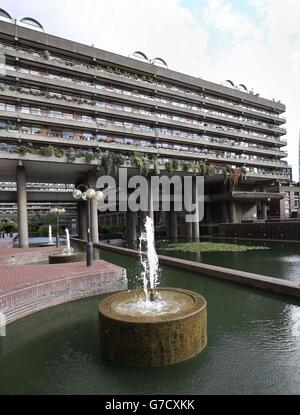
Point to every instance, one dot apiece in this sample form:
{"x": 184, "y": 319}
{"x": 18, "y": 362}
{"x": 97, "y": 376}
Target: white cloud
{"x": 269, "y": 63}
{"x": 223, "y": 17}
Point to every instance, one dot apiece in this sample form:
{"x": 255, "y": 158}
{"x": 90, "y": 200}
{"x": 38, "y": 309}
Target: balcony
{"x": 153, "y": 86}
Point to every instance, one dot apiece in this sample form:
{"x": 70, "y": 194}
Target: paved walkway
{"x": 6, "y": 242}
{"x": 27, "y": 287}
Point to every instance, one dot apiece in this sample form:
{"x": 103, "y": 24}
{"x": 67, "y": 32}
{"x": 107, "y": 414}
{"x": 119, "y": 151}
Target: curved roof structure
{"x": 5, "y": 15}
{"x": 30, "y": 22}
{"x": 140, "y": 55}
{"x": 160, "y": 62}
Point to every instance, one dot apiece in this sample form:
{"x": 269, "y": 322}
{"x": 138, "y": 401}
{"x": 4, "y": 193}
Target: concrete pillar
{"x": 232, "y": 212}
{"x": 189, "y": 230}
{"x": 82, "y": 219}
{"x": 195, "y": 225}
{"x": 264, "y": 211}
{"x": 131, "y": 226}
{"x": 92, "y": 179}
{"x": 173, "y": 224}
{"x": 22, "y": 207}
{"x": 225, "y": 212}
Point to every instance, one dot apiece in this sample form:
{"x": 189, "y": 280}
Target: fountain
{"x": 50, "y": 238}
{"x": 68, "y": 254}
{"x": 152, "y": 326}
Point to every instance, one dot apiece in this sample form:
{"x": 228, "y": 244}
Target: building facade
{"x": 68, "y": 110}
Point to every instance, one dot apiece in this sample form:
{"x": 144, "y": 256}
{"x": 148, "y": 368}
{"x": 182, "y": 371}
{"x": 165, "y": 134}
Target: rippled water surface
{"x": 253, "y": 346}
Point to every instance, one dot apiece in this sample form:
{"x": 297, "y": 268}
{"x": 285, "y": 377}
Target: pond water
{"x": 253, "y": 346}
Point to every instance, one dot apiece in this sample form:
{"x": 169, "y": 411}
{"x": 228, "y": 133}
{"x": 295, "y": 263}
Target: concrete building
{"x": 64, "y": 106}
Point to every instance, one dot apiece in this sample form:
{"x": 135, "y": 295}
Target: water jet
{"x": 152, "y": 326}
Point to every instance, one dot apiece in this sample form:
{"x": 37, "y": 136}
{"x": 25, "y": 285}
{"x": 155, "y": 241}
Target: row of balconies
{"x": 135, "y": 146}
{"x": 153, "y": 86}
{"x": 204, "y": 141}
{"x": 129, "y": 112}
{"x": 128, "y": 128}
{"x": 183, "y": 142}
{"x": 252, "y": 172}
{"x": 193, "y": 125}
{"x": 254, "y": 136}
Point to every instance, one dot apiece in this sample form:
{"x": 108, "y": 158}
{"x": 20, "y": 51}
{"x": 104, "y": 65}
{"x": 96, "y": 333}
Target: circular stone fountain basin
{"x": 66, "y": 258}
{"x": 169, "y": 330}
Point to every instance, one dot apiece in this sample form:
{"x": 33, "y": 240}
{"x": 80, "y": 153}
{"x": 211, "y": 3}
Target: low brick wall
{"x": 57, "y": 284}
{"x": 16, "y": 256}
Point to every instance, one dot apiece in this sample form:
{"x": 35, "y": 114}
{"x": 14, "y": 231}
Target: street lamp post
{"x": 57, "y": 212}
{"x": 88, "y": 195}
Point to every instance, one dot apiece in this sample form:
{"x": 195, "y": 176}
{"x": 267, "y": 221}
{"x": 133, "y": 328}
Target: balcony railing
{"x": 132, "y": 77}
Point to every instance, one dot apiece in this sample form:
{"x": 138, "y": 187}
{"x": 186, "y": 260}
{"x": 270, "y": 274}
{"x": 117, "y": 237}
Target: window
{"x": 68, "y": 134}
{"x": 35, "y": 111}
{"x": 25, "y": 110}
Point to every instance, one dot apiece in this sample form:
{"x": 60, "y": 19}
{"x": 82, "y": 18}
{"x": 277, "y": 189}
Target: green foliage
{"x": 89, "y": 156}
{"x": 43, "y": 230}
{"x": 47, "y": 151}
{"x": 71, "y": 154}
{"x": 112, "y": 162}
{"x": 211, "y": 247}
{"x": 33, "y": 226}
{"x": 141, "y": 163}
{"x": 8, "y": 226}
{"x": 3, "y": 147}
{"x": 59, "y": 153}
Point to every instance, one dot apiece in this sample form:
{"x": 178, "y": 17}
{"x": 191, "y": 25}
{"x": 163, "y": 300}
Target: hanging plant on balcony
{"x": 89, "y": 156}
{"x": 46, "y": 54}
{"x": 59, "y": 153}
{"x": 3, "y": 147}
{"x": 111, "y": 162}
{"x": 141, "y": 163}
{"x": 202, "y": 169}
{"x": 226, "y": 173}
{"x": 169, "y": 167}
{"x": 211, "y": 170}
{"x": 47, "y": 151}
{"x": 188, "y": 166}
{"x": 71, "y": 154}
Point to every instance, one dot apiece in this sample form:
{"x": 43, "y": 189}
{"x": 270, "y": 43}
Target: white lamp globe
{"x": 90, "y": 194}
{"x": 77, "y": 194}
{"x": 99, "y": 195}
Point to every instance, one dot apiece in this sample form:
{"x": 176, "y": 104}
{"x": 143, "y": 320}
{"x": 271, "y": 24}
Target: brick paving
{"x": 28, "y": 287}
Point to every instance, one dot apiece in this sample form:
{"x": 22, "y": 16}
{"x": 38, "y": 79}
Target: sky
{"x": 253, "y": 42}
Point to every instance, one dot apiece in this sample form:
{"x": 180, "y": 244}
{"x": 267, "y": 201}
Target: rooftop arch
{"x": 30, "y": 22}
{"x": 140, "y": 55}
{"x": 5, "y": 15}
{"x": 160, "y": 62}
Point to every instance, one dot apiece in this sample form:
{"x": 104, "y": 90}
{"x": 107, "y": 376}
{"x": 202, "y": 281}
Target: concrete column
{"x": 22, "y": 207}
{"x": 264, "y": 211}
{"x": 195, "y": 225}
{"x": 82, "y": 219}
{"x": 225, "y": 212}
{"x": 189, "y": 230}
{"x": 92, "y": 179}
{"x": 173, "y": 224}
{"x": 131, "y": 226}
{"x": 232, "y": 212}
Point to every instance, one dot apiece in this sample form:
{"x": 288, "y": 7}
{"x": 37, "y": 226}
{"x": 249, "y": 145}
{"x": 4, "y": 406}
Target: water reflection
{"x": 253, "y": 346}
